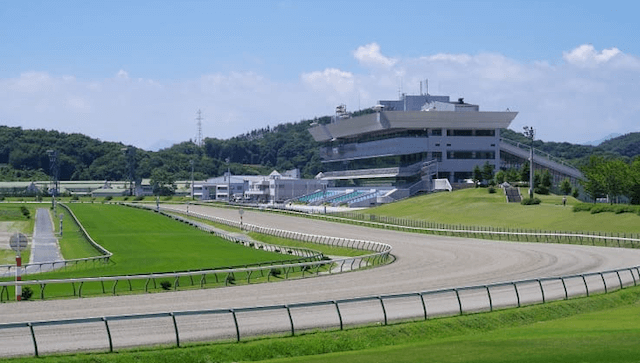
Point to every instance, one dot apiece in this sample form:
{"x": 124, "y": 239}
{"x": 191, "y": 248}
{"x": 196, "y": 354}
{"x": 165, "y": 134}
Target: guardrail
{"x": 310, "y": 264}
{"x": 331, "y": 314}
{"x": 104, "y": 258}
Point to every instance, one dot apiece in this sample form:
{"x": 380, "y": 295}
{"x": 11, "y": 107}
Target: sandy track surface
{"x": 424, "y": 262}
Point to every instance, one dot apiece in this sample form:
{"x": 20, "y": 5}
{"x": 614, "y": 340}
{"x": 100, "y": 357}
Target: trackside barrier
{"x": 104, "y": 258}
{"x": 628, "y": 240}
{"x": 329, "y": 314}
{"x": 309, "y": 263}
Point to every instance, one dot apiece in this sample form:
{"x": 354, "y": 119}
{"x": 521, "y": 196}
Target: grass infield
{"x": 477, "y": 207}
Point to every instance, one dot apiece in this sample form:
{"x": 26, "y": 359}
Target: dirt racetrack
{"x": 424, "y": 262}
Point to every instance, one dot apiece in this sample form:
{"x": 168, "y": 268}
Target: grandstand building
{"x": 406, "y": 144}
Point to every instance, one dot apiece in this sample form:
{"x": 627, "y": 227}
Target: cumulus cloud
{"x": 591, "y": 94}
{"x": 369, "y": 55}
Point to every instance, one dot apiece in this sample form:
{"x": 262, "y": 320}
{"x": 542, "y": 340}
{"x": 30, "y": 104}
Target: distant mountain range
{"x": 606, "y": 138}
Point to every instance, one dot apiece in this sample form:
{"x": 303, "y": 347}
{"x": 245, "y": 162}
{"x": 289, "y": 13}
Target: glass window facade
{"x": 471, "y": 155}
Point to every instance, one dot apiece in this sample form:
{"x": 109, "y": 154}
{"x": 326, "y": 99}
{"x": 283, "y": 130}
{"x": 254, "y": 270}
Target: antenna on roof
{"x": 420, "y": 88}
{"x": 426, "y": 85}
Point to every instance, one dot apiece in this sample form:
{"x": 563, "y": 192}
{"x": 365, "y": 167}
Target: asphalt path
{"x": 423, "y": 262}
{"x": 44, "y": 246}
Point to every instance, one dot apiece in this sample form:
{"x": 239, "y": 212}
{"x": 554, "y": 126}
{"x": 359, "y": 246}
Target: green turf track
{"x": 144, "y": 242}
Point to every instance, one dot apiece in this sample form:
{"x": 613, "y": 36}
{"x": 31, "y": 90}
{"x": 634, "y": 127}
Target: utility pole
{"x": 53, "y": 169}
{"x": 192, "y": 186}
{"x": 130, "y": 158}
{"x": 529, "y": 132}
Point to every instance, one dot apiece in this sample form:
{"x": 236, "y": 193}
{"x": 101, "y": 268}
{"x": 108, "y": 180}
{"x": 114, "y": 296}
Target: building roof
{"x": 411, "y": 120}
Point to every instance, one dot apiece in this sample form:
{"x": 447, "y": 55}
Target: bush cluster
{"x": 138, "y": 198}
{"x": 25, "y": 212}
{"x": 530, "y": 201}
{"x": 612, "y": 208}
{"x": 491, "y": 190}
{"x": 166, "y": 285}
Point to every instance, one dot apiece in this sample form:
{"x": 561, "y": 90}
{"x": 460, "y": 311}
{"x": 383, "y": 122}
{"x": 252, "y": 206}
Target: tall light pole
{"x": 192, "y": 186}
{"x": 529, "y": 132}
{"x": 53, "y": 169}
{"x": 228, "y": 180}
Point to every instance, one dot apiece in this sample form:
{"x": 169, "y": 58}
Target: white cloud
{"x": 586, "y": 55}
{"x": 122, "y": 74}
{"x": 591, "y": 94}
{"x": 369, "y": 55}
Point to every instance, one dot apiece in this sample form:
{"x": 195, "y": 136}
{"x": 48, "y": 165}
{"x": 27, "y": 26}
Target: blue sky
{"x": 571, "y": 68}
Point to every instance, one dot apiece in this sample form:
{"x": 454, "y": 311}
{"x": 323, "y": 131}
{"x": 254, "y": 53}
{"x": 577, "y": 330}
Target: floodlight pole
{"x": 192, "y": 191}
{"x": 529, "y": 132}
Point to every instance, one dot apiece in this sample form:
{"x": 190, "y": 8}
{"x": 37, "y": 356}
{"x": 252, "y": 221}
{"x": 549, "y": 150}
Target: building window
{"x": 437, "y": 155}
{"x": 485, "y": 132}
{"x": 459, "y": 132}
{"x": 467, "y": 155}
{"x": 436, "y": 132}
{"x": 438, "y": 144}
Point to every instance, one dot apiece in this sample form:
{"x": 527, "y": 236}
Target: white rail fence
{"x": 113, "y": 332}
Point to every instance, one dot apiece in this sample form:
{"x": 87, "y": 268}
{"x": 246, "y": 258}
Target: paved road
{"x": 44, "y": 245}
{"x": 424, "y": 262}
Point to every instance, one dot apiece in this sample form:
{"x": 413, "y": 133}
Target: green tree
{"x": 162, "y": 182}
{"x": 634, "y": 181}
{"x": 524, "y": 172}
{"x": 477, "y": 175}
{"x": 487, "y": 172}
{"x": 565, "y": 186}
{"x": 501, "y": 176}
{"x": 593, "y": 183}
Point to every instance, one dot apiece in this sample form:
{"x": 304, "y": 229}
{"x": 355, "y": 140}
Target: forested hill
{"x": 625, "y": 146}
{"x": 23, "y": 154}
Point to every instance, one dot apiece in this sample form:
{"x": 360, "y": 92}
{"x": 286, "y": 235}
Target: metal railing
{"x": 327, "y": 314}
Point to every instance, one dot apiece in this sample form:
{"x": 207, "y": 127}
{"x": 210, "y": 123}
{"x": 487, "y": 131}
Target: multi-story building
{"x": 407, "y": 142}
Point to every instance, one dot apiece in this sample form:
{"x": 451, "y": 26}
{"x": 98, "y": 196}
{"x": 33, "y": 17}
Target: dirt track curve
{"x": 424, "y": 262}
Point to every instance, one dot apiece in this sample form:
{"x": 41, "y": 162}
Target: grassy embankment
{"x": 11, "y": 221}
{"x": 603, "y": 328}
{"x": 477, "y": 207}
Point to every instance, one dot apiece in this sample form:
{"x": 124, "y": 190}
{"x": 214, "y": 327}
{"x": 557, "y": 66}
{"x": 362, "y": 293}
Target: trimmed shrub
{"x": 230, "y": 280}
{"x": 168, "y": 197}
{"x": 275, "y": 272}
{"x": 27, "y": 293}
{"x": 582, "y": 207}
{"x": 25, "y": 212}
{"x": 138, "y": 198}
{"x": 75, "y": 197}
{"x": 491, "y": 190}
{"x": 166, "y": 285}
{"x": 108, "y": 197}
{"x": 530, "y": 201}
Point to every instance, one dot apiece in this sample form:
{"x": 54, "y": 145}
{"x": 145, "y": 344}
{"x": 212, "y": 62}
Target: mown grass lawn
{"x": 476, "y": 207}
{"x": 144, "y": 242}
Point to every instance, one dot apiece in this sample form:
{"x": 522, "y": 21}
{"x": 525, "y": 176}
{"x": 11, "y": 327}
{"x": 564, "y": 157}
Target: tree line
{"x": 615, "y": 179}
{"x": 23, "y": 154}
